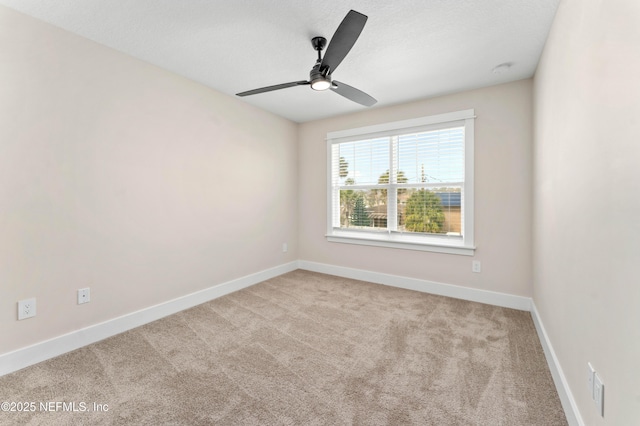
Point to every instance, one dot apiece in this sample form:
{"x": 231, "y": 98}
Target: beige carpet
{"x": 304, "y": 348}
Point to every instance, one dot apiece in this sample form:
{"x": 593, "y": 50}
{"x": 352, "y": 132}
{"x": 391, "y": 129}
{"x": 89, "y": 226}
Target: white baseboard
{"x": 24, "y": 357}
{"x": 458, "y": 292}
{"x": 562, "y": 386}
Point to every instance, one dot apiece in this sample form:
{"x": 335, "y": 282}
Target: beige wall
{"x": 502, "y": 191}
{"x": 587, "y": 200}
{"x": 120, "y": 176}
{"x": 125, "y": 178}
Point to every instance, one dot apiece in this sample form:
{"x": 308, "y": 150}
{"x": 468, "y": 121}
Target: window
{"x": 406, "y": 184}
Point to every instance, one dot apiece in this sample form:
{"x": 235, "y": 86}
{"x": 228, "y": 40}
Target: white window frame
{"x": 422, "y": 242}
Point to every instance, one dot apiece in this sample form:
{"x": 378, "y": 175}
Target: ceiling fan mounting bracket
{"x": 318, "y": 43}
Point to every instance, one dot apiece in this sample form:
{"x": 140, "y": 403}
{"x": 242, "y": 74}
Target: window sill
{"x": 400, "y": 241}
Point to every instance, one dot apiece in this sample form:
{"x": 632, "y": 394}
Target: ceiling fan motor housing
{"x": 319, "y": 79}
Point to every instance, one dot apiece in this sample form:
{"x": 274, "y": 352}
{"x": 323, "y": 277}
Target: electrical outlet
{"x": 598, "y": 393}
{"x": 84, "y": 295}
{"x": 476, "y": 266}
{"x": 284, "y": 247}
{"x": 26, "y": 308}
{"x": 590, "y": 373}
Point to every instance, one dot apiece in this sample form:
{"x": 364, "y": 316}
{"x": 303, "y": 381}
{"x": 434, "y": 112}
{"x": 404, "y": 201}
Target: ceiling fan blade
{"x": 343, "y": 40}
{"x": 271, "y": 88}
{"x": 352, "y": 94}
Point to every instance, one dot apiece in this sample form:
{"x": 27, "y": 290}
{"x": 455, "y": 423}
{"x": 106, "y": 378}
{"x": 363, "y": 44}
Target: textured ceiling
{"x": 409, "y": 49}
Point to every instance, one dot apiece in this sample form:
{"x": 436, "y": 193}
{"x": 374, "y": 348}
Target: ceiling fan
{"x": 320, "y": 76}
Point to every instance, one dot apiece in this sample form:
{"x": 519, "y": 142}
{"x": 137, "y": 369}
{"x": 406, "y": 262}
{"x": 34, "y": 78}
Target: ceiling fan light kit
{"x": 320, "y": 77}
{"x": 320, "y": 84}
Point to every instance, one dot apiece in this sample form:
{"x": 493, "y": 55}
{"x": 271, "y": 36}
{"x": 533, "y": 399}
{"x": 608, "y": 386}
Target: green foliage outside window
{"x": 360, "y": 216}
{"x": 423, "y": 212}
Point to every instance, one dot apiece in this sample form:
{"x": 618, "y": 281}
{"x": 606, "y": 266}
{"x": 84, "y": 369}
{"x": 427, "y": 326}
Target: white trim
{"x": 562, "y": 385}
{"x": 458, "y": 292}
{"x": 403, "y": 124}
{"x": 469, "y": 158}
{"x": 24, "y": 357}
{"x": 383, "y": 240}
